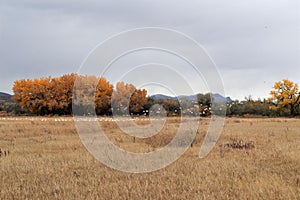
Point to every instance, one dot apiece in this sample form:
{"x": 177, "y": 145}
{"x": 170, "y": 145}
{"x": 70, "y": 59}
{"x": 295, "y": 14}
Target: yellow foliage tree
{"x": 137, "y": 100}
{"x": 60, "y": 100}
{"x": 128, "y": 98}
{"x": 286, "y": 94}
{"x": 32, "y": 94}
{"x": 103, "y": 94}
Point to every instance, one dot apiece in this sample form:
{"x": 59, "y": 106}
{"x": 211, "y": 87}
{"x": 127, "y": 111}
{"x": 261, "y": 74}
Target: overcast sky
{"x": 253, "y": 42}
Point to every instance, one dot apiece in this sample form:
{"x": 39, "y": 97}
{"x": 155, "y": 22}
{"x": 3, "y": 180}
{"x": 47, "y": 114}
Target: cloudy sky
{"x": 253, "y": 42}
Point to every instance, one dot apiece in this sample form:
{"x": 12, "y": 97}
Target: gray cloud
{"x": 254, "y": 43}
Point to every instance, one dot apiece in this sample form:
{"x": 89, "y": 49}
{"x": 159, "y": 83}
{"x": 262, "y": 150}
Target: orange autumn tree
{"x": 286, "y": 95}
{"x": 60, "y": 100}
{"x": 33, "y": 94}
{"x": 103, "y": 95}
{"x": 128, "y": 97}
{"x": 84, "y": 94}
{"x": 92, "y": 94}
{"x": 137, "y": 101}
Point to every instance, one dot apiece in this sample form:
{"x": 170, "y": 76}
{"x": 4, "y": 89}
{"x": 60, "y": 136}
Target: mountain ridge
{"x": 3, "y": 94}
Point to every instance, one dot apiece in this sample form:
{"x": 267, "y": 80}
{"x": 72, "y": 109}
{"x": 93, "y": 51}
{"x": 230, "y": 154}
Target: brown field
{"x": 254, "y": 159}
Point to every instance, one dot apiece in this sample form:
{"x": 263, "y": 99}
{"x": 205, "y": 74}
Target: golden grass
{"x": 48, "y": 161}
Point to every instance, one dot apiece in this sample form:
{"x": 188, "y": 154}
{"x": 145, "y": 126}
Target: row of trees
{"x": 54, "y": 95}
{"x": 45, "y": 95}
{"x": 250, "y": 107}
{"x": 284, "y": 101}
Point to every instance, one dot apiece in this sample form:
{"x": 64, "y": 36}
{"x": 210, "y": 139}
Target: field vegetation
{"x": 43, "y": 158}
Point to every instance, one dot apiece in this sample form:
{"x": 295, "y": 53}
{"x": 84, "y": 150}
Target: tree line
{"x": 284, "y": 100}
{"x": 54, "y": 96}
{"x": 48, "y": 95}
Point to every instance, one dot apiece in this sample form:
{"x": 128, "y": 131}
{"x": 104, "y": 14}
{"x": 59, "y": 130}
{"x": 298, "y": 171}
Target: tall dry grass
{"x": 48, "y": 161}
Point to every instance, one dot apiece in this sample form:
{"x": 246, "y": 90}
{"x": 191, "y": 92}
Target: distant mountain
{"x": 3, "y": 94}
{"x": 162, "y": 96}
{"x": 217, "y": 97}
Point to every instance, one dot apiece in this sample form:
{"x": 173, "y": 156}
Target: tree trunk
{"x": 292, "y": 110}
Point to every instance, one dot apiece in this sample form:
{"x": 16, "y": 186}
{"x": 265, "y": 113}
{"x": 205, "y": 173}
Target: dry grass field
{"x": 255, "y": 158}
